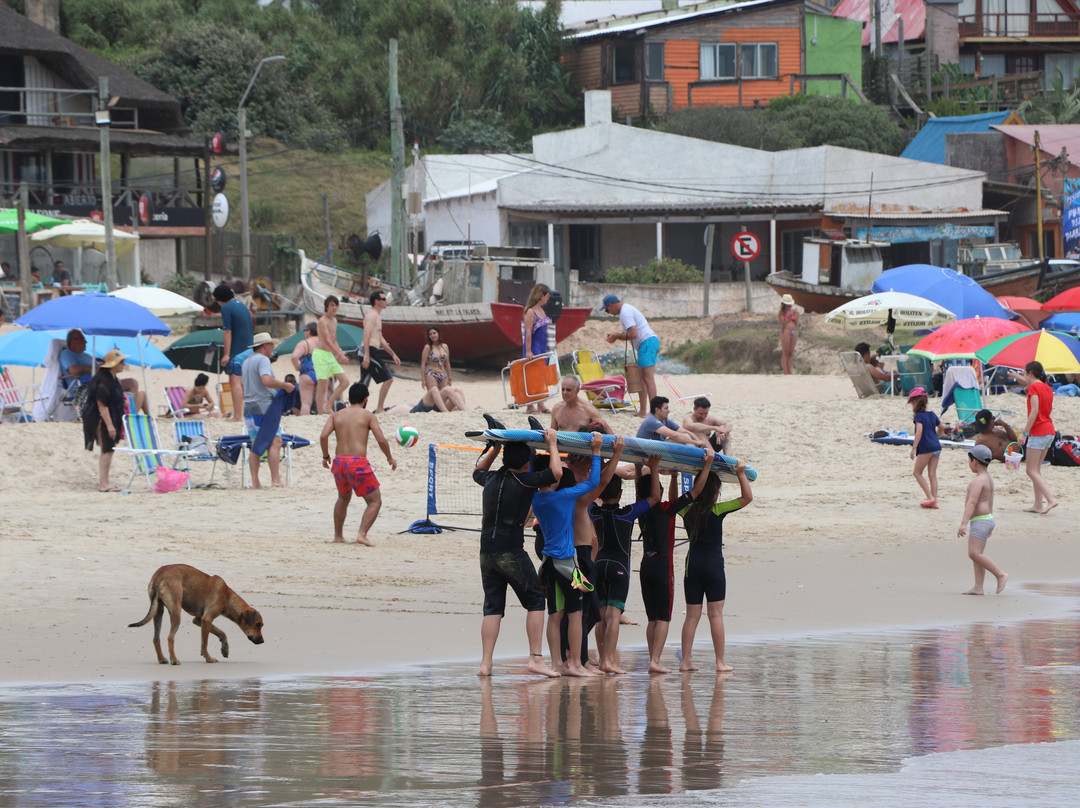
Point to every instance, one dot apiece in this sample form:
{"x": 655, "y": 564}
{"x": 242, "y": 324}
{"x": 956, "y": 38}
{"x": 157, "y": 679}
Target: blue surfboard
{"x": 674, "y": 456}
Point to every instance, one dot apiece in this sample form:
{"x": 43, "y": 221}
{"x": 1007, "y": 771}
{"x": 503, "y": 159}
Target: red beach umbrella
{"x": 1069, "y": 300}
{"x": 1027, "y": 308}
{"x": 960, "y": 339}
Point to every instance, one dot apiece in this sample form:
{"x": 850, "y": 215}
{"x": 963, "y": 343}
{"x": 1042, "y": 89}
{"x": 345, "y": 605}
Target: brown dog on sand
{"x": 177, "y": 586}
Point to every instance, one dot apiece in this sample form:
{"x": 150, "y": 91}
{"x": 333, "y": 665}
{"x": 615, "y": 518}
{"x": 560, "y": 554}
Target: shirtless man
{"x": 994, "y": 439}
{"x": 711, "y": 428}
{"x": 377, "y": 350}
{"x": 352, "y": 471}
{"x": 573, "y": 413}
{"x": 327, "y": 359}
{"x": 880, "y": 376}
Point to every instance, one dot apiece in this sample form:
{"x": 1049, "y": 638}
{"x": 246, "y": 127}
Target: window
{"x": 622, "y": 66}
{"x": 759, "y": 61}
{"x": 717, "y": 62}
{"x": 654, "y": 61}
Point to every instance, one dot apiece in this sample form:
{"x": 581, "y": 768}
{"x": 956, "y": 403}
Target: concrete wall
{"x": 623, "y": 245}
{"x": 676, "y": 299}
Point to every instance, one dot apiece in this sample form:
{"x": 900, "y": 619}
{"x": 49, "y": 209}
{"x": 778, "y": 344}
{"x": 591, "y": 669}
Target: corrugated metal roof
{"x": 912, "y": 12}
{"x": 638, "y": 209}
{"x": 922, "y": 216}
{"x": 929, "y": 144}
{"x": 651, "y": 19}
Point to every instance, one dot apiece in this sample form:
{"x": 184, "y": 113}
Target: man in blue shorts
{"x": 259, "y": 385}
{"x": 635, "y": 328}
{"x": 238, "y": 332}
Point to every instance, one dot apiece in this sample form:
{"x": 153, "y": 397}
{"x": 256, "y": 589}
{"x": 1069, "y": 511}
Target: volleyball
{"x": 407, "y": 435}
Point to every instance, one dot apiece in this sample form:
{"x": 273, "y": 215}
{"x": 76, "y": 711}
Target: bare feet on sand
{"x": 580, "y": 671}
{"x": 626, "y": 621}
{"x": 656, "y": 667}
{"x": 1050, "y": 507}
{"x": 973, "y": 591}
{"x": 536, "y": 665}
{"x": 687, "y": 666}
{"x": 615, "y": 669}
{"x": 723, "y": 667}
{"x": 1002, "y": 580}
{"x": 1034, "y": 509}
{"x": 361, "y": 538}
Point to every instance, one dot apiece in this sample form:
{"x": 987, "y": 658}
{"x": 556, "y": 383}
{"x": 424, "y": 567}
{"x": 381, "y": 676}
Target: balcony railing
{"x": 1011, "y": 24}
{"x": 62, "y": 196}
{"x": 46, "y": 106}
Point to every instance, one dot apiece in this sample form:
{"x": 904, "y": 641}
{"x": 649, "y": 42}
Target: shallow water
{"x": 981, "y": 715}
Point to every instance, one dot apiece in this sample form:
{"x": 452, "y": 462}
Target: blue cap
{"x": 608, "y": 300}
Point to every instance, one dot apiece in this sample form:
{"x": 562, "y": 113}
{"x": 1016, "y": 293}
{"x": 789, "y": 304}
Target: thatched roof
{"x": 82, "y": 69}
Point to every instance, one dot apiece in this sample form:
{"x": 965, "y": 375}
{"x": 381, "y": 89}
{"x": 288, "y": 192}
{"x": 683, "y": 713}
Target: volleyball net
{"x": 451, "y": 490}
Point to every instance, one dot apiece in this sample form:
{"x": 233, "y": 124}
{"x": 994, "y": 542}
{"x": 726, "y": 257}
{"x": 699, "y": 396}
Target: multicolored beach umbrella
{"x": 1058, "y": 353}
{"x": 960, "y": 339}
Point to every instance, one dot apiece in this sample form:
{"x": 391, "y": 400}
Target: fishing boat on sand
{"x": 475, "y": 301}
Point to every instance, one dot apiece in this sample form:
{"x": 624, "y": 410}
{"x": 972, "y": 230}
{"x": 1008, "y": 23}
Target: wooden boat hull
{"x": 812, "y": 297}
{"x": 478, "y": 334}
{"x": 1020, "y": 282}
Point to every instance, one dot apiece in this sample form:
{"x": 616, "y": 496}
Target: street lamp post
{"x": 241, "y": 115}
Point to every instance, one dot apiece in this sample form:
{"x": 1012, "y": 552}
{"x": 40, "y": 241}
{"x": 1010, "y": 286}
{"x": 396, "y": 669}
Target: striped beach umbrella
{"x": 1058, "y": 353}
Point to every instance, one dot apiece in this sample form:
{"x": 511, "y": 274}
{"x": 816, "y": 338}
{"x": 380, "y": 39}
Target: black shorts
{"x": 497, "y": 570}
{"x": 612, "y": 582}
{"x": 378, "y": 368}
{"x": 561, "y": 596}
{"x": 657, "y": 577}
{"x": 705, "y": 579}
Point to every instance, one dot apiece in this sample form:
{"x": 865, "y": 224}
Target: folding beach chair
{"x": 16, "y": 401}
{"x": 192, "y": 438}
{"x": 174, "y": 402}
{"x": 233, "y": 449}
{"x": 683, "y": 398}
{"x": 856, "y": 370}
{"x": 602, "y": 390}
{"x": 144, "y": 446}
{"x": 531, "y": 380}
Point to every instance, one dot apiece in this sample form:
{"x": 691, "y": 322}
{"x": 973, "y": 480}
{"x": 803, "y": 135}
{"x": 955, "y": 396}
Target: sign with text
{"x": 745, "y": 246}
{"x": 1070, "y": 218}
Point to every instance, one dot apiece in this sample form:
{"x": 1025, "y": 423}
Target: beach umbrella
{"x": 1026, "y": 308}
{"x": 960, "y": 339}
{"x": 93, "y": 313}
{"x": 161, "y": 302}
{"x": 349, "y": 338}
{"x": 28, "y": 348}
{"x": 906, "y": 310}
{"x": 199, "y": 350}
{"x": 1058, "y": 353}
{"x": 949, "y": 289}
{"x": 87, "y": 234}
{"x": 1067, "y": 322}
{"x": 9, "y": 221}
{"x": 1069, "y": 300}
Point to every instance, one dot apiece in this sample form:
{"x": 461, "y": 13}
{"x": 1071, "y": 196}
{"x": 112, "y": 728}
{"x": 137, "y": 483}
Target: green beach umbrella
{"x": 199, "y": 350}
{"x": 9, "y": 221}
{"x": 349, "y": 338}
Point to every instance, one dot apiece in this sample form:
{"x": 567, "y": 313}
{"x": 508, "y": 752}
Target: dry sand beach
{"x": 834, "y": 541}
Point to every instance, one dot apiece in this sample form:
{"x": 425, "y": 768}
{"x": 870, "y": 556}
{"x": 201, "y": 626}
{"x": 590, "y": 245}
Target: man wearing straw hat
{"x": 259, "y": 385}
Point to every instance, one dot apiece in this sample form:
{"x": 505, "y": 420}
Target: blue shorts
{"x": 234, "y": 368}
{"x": 647, "y": 352}
{"x": 1038, "y": 442}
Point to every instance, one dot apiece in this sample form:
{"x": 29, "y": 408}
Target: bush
{"x": 182, "y": 284}
{"x": 667, "y": 270}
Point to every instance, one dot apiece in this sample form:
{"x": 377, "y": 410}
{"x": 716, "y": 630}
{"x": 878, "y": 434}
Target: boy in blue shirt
{"x": 553, "y": 506}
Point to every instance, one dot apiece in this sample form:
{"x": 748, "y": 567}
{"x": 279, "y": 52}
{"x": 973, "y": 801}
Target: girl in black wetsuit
{"x": 704, "y": 579}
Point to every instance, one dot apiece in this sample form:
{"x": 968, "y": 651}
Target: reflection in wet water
{"x": 853, "y": 708}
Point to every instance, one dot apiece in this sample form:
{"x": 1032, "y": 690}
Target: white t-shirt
{"x": 629, "y": 316}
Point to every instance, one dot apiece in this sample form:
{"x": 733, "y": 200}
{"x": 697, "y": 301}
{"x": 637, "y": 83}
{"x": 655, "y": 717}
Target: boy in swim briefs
{"x": 352, "y": 472}
{"x": 978, "y": 519}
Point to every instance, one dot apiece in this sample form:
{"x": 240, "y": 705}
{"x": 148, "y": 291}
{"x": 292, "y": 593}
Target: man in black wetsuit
{"x": 507, "y": 498}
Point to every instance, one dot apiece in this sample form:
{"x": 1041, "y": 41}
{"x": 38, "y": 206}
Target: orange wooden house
{"x": 712, "y": 54}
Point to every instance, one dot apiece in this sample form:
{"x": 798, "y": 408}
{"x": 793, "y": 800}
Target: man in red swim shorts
{"x": 352, "y": 471}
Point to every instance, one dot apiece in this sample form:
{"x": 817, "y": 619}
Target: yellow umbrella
{"x": 87, "y": 234}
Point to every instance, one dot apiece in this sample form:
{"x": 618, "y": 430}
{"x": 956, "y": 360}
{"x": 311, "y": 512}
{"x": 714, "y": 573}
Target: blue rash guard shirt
{"x": 555, "y": 510}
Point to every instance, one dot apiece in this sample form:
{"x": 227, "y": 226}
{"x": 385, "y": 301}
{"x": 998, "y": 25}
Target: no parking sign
{"x": 745, "y": 246}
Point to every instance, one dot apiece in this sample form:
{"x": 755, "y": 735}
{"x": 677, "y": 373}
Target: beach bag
{"x": 168, "y": 479}
{"x": 632, "y": 372}
{"x": 1065, "y": 452}
{"x": 81, "y": 399}
{"x": 197, "y": 445}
